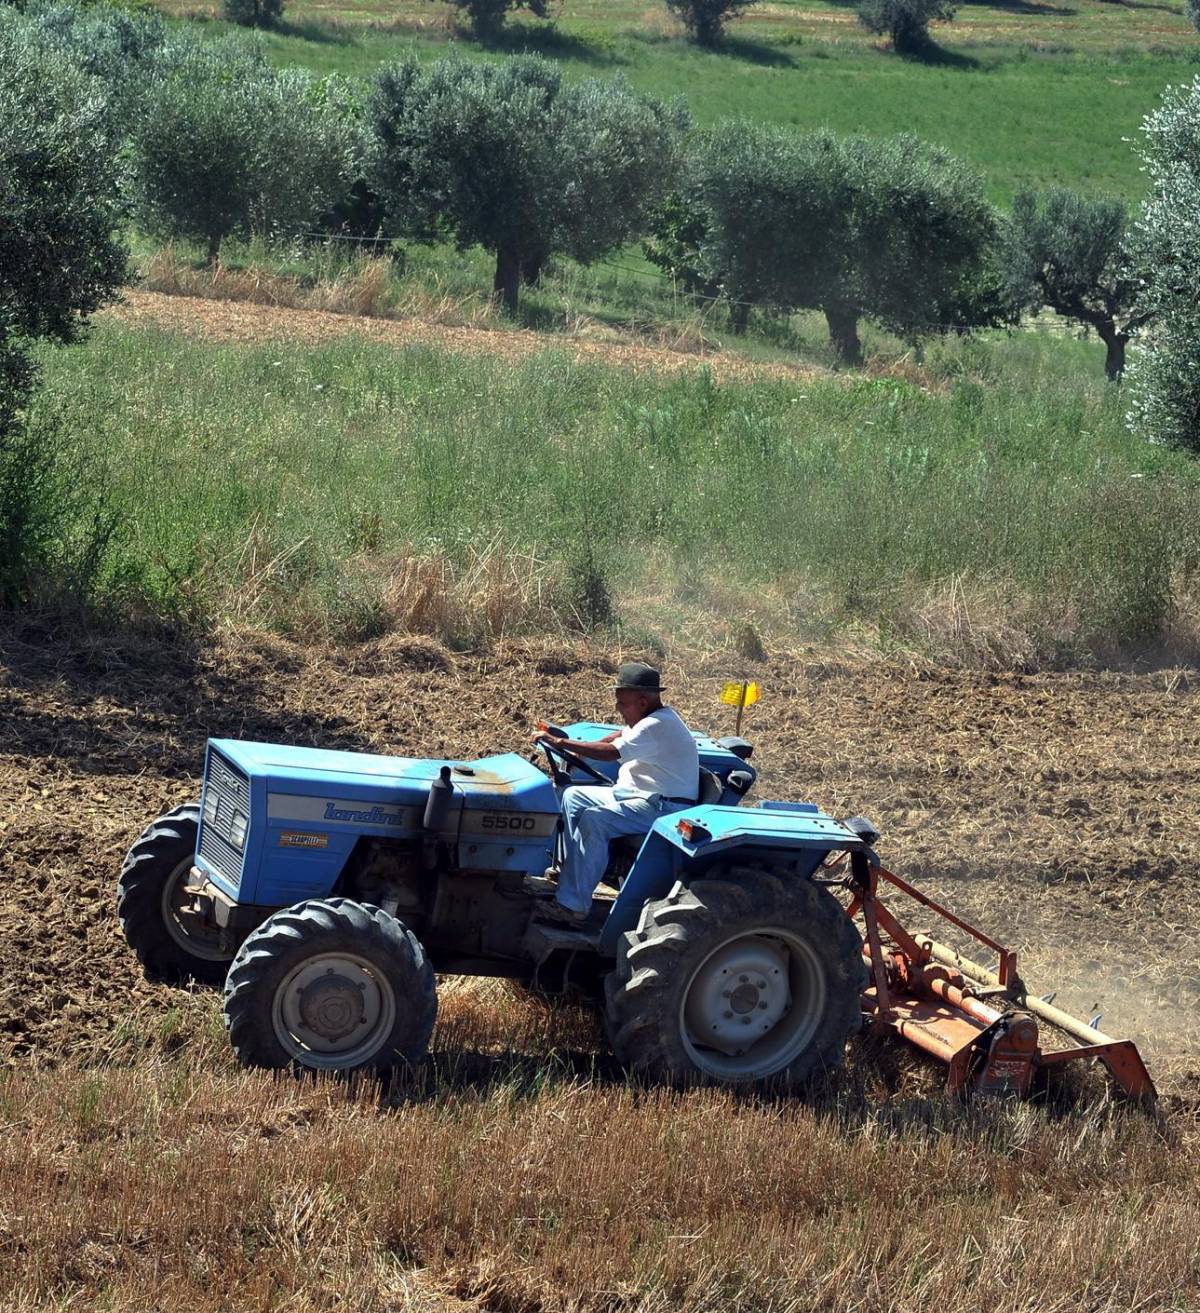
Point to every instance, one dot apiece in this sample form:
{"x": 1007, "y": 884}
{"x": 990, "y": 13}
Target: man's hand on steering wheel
{"x": 554, "y": 743}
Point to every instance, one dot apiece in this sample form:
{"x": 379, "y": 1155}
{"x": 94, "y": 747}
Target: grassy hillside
{"x": 1033, "y": 94}
{"x": 318, "y": 486}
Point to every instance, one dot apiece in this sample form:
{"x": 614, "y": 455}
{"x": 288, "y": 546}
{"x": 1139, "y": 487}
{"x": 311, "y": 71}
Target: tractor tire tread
{"x": 644, "y": 993}
{"x": 329, "y": 924}
{"x": 152, "y": 860}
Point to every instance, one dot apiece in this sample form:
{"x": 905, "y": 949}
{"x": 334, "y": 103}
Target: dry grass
{"x": 496, "y": 593}
{"x": 516, "y": 1180}
{"x": 491, "y": 593}
{"x": 365, "y": 287}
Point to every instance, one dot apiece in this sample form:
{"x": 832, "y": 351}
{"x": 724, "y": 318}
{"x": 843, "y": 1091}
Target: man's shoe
{"x": 541, "y": 886}
{"x": 555, "y": 911}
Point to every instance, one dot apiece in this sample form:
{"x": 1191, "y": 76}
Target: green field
{"x": 1032, "y": 94}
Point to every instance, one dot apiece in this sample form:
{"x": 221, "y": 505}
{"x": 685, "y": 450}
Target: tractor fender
{"x": 795, "y": 834}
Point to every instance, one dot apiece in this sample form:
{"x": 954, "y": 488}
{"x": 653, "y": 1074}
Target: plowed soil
{"x": 1060, "y": 810}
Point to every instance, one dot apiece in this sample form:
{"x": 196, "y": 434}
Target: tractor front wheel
{"x": 742, "y": 977}
{"x": 330, "y": 985}
{"x": 152, "y": 903}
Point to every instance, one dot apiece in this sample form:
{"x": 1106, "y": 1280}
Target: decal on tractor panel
{"x": 342, "y": 811}
{"x": 527, "y": 825}
{"x": 302, "y": 839}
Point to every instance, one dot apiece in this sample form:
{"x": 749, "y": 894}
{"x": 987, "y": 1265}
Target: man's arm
{"x": 604, "y": 749}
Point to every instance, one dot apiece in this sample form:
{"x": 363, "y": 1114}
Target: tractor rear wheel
{"x": 152, "y": 903}
{"x": 744, "y": 976}
{"x": 331, "y": 985}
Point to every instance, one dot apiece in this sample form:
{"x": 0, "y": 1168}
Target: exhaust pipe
{"x": 437, "y": 810}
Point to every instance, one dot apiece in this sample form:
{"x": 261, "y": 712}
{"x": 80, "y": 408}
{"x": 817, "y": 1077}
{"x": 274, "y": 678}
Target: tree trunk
{"x": 739, "y": 316}
{"x": 532, "y": 265}
{"x": 214, "y": 249}
{"x": 507, "y": 283}
{"x": 843, "y": 333}
{"x": 1114, "y": 342}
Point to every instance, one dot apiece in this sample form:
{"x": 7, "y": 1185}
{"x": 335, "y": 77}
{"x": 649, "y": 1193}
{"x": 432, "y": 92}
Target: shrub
{"x": 705, "y": 19}
{"x": 896, "y": 230}
{"x": 227, "y": 147}
{"x": 1068, "y": 251}
{"x": 487, "y": 16}
{"x": 1165, "y": 373}
{"x": 509, "y": 158}
{"x": 252, "y": 13}
{"x": 905, "y": 21}
{"x": 59, "y": 188}
{"x": 679, "y": 228}
{"x": 1193, "y": 11}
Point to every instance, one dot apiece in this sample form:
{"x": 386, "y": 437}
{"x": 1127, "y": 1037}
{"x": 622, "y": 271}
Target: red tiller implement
{"x": 942, "y": 1002}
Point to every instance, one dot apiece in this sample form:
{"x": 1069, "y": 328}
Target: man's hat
{"x": 640, "y": 677}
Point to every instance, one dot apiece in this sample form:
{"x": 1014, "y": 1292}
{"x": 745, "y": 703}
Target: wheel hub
{"x": 184, "y": 923}
{"x": 332, "y": 1006}
{"x": 739, "y": 995}
{"x": 333, "y": 1010}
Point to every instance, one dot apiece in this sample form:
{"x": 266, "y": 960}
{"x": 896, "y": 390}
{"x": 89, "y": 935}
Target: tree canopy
{"x": 486, "y": 17}
{"x": 895, "y": 230}
{"x": 1068, "y": 251}
{"x": 59, "y": 258}
{"x": 1164, "y": 372}
{"x": 705, "y": 19}
{"x": 228, "y": 146}
{"x": 905, "y": 21}
{"x": 508, "y": 157}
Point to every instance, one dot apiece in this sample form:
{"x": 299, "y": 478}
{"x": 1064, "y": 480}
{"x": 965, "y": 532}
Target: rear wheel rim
{"x": 207, "y": 945}
{"x": 753, "y": 1005}
{"x": 334, "y": 1011}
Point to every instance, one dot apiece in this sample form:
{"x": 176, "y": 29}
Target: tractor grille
{"x": 232, "y": 789}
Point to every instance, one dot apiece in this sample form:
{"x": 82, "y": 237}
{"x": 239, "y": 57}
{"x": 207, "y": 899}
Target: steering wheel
{"x": 570, "y": 760}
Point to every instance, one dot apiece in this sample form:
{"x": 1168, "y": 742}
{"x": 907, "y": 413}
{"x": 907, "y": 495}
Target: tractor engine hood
{"x": 298, "y": 812}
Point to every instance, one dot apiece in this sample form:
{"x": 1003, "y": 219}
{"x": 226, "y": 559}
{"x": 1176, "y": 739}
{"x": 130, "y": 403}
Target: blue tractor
{"x": 325, "y": 890}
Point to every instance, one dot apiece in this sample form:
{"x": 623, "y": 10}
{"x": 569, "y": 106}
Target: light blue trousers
{"x": 593, "y": 816}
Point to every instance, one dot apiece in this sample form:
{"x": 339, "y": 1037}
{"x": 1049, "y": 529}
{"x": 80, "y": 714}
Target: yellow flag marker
{"x": 741, "y": 694}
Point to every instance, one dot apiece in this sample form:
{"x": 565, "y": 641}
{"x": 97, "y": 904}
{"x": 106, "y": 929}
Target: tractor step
{"x": 542, "y": 939}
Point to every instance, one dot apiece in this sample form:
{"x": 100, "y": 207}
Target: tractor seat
{"x": 710, "y": 791}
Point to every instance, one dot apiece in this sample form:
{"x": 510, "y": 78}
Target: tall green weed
{"x": 293, "y": 472}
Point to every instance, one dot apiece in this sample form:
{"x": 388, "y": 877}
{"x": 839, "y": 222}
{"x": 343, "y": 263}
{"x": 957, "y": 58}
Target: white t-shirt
{"x": 659, "y": 755}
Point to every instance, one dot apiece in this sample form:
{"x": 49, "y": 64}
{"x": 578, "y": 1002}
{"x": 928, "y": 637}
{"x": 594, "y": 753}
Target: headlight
{"x": 237, "y": 830}
{"x": 210, "y": 805}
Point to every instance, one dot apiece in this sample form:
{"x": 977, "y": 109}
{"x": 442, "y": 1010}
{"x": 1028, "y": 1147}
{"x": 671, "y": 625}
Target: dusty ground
{"x": 247, "y": 321}
{"x": 1060, "y": 810}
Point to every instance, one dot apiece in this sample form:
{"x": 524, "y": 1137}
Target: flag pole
{"x": 737, "y": 728}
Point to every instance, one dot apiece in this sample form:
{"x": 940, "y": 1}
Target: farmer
{"x": 659, "y": 774}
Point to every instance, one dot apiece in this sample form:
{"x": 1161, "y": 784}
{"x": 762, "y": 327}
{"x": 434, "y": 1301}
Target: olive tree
{"x": 115, "y": 46}
{"x": 508, "y": 157}
{"x": 906, "y": 22}
{"x": 1193, "y": 10}
{"x": 1069, "y": 252}
{"x": 228, "y": 146}
{"x": 486, "y": 17}
{"x": 253, "y": 13}
{"x": 59, "y": 257}
{"x": 705, "y": 19}
{"x": 1164, "y": 372}
{"x": 892, "y": 230}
